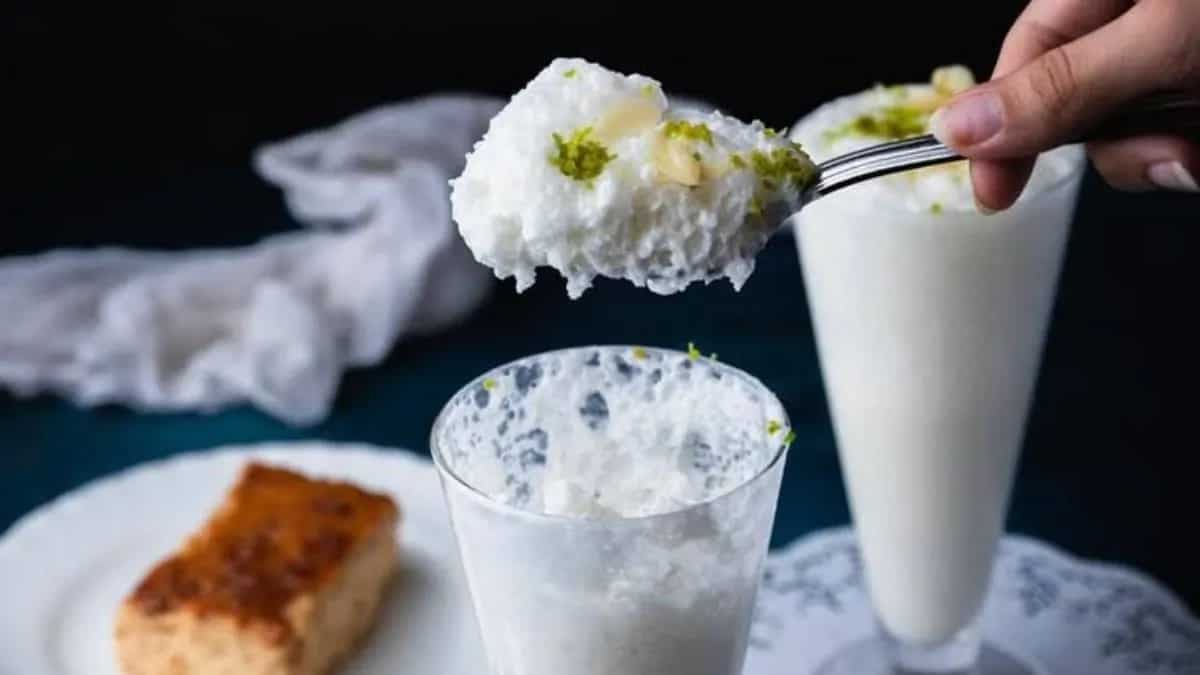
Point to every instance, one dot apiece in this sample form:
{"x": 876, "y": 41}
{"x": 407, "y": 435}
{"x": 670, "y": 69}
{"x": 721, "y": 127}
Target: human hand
{"x": 1065, "y": 66}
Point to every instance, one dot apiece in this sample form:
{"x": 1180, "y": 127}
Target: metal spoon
{"x": 1174, "y": 113}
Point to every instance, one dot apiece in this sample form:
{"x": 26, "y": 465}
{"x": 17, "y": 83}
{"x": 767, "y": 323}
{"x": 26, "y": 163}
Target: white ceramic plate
{"x": 66, "y": 566}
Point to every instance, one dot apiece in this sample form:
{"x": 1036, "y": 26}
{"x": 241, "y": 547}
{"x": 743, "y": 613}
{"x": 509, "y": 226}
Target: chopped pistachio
{"x": 791, "y": 436}
{"x": 489, "y": 384}
{"x": 894, "y": 122}
{"x": 737, "y": 161}
{"x": 756, "y": 208}
{"x": 693, "y": 352}
{"x": 712, "y": 170}
{"x": 783, "y": 164}
{"x": 909, "y": 113}
{"x": 639, "y": 353}
{"x": 675, "y": 162}
{"x": 628, "y": 117}
{"x": 773, "y": 427}
{"x": 697, "y": 156}
{"x": 697, "y": 131}
{"x": 936, "y": 208}
{"x": 647, "y": 90}
{"x": 770, "y": 133}
{"x": 951, "y": 80}
{"x": 579, "y": 157}
{"x": 570, "y": 73}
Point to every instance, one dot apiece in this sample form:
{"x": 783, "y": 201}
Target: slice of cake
{"x": 283, "y": 579}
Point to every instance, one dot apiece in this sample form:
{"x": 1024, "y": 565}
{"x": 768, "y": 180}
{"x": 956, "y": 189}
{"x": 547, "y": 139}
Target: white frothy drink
{"x": 613, "y": 507}
{"x": 930, "y": 319}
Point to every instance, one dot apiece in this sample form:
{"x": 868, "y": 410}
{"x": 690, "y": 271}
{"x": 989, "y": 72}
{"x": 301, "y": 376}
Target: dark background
{"x": 137, "y": 129}
{"x": 96, "y": 96}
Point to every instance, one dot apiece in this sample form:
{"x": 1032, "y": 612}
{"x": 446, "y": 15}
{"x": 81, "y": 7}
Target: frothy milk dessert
{"x": 590, "y": 172}
{"x": 613, "y": 507}
{"x": 930, "y": 319}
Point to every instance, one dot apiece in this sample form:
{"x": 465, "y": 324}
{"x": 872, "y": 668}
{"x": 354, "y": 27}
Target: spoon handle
{"x": 1173, "y": 113}
{"x": 878, "y": 160}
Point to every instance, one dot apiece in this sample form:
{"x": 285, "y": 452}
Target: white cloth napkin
{"x": 276, "y": 323}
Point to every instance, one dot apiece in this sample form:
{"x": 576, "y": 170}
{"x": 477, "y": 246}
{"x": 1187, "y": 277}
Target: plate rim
{"x": 37, "y": 519}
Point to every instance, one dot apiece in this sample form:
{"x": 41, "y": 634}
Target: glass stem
{"x": 956, "y": 656}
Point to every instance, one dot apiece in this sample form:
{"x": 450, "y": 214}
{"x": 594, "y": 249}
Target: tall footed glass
{"x": 930, "y": 326}
{"x": 613, "y": 508}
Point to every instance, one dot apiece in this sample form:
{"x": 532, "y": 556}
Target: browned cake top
{"x": 278, "y": 535}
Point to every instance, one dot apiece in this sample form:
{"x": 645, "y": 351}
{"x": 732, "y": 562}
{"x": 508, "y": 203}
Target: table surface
{"x": 1104, "y": 469}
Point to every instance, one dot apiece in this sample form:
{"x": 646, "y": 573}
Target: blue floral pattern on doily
{"x": 1132, "y": 623}
{"x": 1067, "y": 615}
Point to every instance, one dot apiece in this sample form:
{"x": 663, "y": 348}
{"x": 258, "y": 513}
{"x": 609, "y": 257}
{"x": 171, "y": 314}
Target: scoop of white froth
{"x": 945, "y": 187}
{"x": 662, "y": 213}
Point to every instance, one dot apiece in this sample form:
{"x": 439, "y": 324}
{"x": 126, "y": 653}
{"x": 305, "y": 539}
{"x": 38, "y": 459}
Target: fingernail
{"x": 968, "y": 121}
{"x": 983, "y": 209}
{"x": 1172, "y": 176}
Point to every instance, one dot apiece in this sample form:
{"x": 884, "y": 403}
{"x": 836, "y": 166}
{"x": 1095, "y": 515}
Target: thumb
{"x": 1057, "y": 96}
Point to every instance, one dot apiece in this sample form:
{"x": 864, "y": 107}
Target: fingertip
{"x": 969, "y": 119}
{"x": 1145, "y": 163}
{"x": 998, "y": 183}
{"x": 1173, "y": 175}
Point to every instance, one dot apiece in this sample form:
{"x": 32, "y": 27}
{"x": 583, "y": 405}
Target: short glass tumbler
{"x": 670, "y": 589}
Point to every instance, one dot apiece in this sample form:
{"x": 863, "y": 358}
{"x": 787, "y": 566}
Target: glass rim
{"x": 1076, "y": 166}
{"x": 1076, "y": 152}
{"x": 447, "y": 471}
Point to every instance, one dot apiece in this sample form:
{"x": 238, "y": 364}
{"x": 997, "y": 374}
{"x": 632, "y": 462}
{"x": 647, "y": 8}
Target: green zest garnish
{"x": 895, "y": 122}
{"x": 570, "y": 73}
{"x": 697, "y": 156}
{"x": 682, "y": 128}
{"x": 770, "y": 133}
{"x": 489, "y": 384}
{"x": 936, "y": 208}
{"x": 756, "y": 206}
{"x": 774, "y": 427}
{"x": 693, "y": 353}
{"x": 782, "y": 164}
{"x": 639, "y": 353}
{"x": 737, "y": 161}
{"x": 578, "y": 157}
{"x": 648, "y": 90}
{"x": 776, "y": 167}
